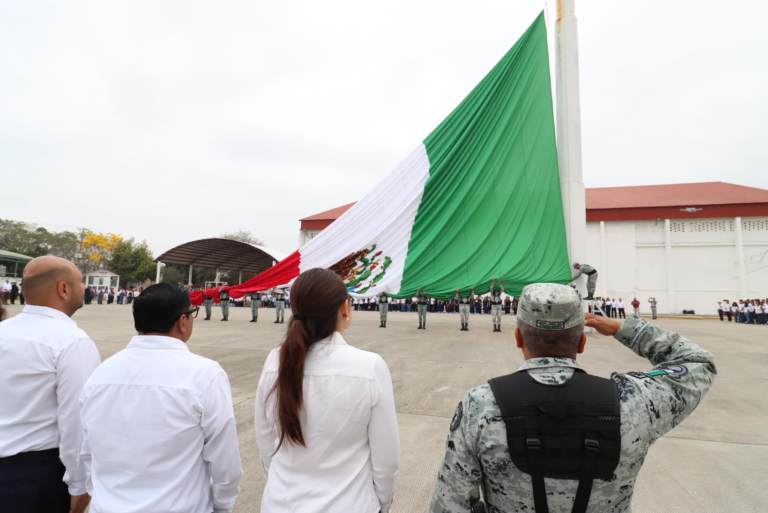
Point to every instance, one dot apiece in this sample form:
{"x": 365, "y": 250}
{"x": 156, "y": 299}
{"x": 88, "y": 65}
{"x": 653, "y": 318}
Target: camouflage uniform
{"x": 591, "y": 279}
{"x": 652, "y": 403}
{"x": 224, "y": 304}
{"x": 255, "y": 303}
{"x": 383, "y": 309}
{"x": 423, "y": 304}
{"x": 208, "y": 302}
{"x": 496, "y": 306}
{"x": 653, "y": 307}
{"x": 280, "y": 306}
{"x": 464, "y": 309}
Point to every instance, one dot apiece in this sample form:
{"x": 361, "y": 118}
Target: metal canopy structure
{"x": 216, "y": 253}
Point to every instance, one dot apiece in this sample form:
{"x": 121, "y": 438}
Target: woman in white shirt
{"x": 326, "y": 425}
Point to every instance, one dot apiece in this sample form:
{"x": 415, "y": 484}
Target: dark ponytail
{"x": 316, "y": 297}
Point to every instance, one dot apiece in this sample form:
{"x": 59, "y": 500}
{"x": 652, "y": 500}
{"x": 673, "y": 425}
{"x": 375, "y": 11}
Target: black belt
{"x": 32, "y": 457}
{"x": 591, "y": 273}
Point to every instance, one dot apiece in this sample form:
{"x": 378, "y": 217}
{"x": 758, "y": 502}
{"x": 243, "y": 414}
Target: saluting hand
{"x": 603, "y": 325}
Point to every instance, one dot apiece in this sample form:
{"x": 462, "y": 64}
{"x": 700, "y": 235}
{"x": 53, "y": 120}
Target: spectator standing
{"x": 620, "y": 306}
{"x": 110, "y": 296}
{"x": 727, "y": 310}
{"x": 636, "y": 306}
{"x": 14, "y": 292}
{"x": 88, "y": 295}
{"x": 735, "y": 311}
{"x": 720, "y": 310}
{"x": 325, "y": 419}
{"x": 44, "y": 361}
{"x": 6, "y": 291}
{"x": 158, "y": 422}
{"x": 100, "y": 295}
{"x": 551, "y": 437}
{"x": 21, "y": 294}
{"x": 121, "y": 297}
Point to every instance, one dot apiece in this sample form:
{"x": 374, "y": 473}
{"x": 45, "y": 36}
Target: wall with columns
{"x": 685, "y": 265}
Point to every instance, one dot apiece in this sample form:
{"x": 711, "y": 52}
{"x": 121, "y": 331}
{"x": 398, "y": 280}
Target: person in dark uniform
{"x": 423, "y": 299}
{"x": 495, "y": 300}
{"x": 464, "y": 306}
{"x": 383, "y": 309}
{"x": 224, "y": 303}
{"x": 208, "y": 302}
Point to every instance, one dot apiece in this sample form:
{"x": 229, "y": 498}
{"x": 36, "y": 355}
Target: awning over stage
{"x": 231, "y": 255}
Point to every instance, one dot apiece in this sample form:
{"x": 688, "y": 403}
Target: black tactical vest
{"x": 568, "y": 431}
{"x": 495, "y": 298}
{"x": 384, "y": 299}
{"x": 466, "y": 300}
{"x": 423, "y": 300}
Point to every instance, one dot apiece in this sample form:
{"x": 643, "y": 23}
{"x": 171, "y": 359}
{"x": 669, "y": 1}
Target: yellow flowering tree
{"x": 98, "y": 247}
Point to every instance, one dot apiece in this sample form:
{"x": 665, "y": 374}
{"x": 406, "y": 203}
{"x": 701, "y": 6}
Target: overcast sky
{"x": 174, "y": 121}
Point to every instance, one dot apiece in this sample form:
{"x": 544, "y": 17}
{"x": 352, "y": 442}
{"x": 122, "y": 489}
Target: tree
{"x": 98, "y": 247}
{"x": 134, "y": 262}
{"x": 34, "y": 241}
{"x": 243, "y": 236}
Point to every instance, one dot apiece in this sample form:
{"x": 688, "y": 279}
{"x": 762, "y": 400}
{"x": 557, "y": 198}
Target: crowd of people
{"x": 153, "y": 427}
{"x": 478, "y": 305}
{"x": 11, "y": 291}
{"x": 610, "y": 307}
{"x": 750, "y": 311}
{"x": 109, "y": 296}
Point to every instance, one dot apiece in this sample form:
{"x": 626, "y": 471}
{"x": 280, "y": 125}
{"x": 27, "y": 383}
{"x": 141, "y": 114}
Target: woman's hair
{"x": 316, "y": 297}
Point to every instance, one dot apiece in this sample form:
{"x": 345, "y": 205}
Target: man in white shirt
{"x": 158, "y": 422}
{"x": 6, "y": 291}
{"x": 44, "y": 361}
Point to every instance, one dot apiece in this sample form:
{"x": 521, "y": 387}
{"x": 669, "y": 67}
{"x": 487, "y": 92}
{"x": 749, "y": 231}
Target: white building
{"x": 102, "y": 278}
{"x": 687, "y": 245}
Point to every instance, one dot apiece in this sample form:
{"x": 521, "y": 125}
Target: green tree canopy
{"x": 133, "y": 261}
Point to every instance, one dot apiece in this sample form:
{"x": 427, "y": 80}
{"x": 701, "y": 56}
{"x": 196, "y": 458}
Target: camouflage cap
{"x": 550, "y": 306}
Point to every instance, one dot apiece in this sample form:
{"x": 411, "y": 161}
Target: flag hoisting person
{"x": 496, "y": 305}
{"x": 591, "y": 273}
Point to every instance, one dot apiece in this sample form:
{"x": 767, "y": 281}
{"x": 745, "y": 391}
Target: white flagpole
{"x": 569, "y": 133}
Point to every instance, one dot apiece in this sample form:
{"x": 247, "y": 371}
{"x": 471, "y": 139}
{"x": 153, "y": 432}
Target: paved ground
{"x": 717, "y": 461}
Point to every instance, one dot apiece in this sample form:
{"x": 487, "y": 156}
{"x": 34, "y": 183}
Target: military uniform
{"x": 280, "y": 306}
{"x": 496, "y": 306}
{"x": 255, "y": 303}
{"x": 650, "y": 403}
{"x": 591, "y": 273}
{"x": 383, "y": 310}
{"x": 423, "y": 305}
{"x": 224, "y": 304}
{"x": 208, "y": 302}
{"x": 653, "y": 307}
{"x": 464, "y": 304}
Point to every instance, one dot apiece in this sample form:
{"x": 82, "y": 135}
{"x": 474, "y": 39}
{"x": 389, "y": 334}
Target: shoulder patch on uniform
{"x": 456, "y": 422}
{"x": 673, "y": 371}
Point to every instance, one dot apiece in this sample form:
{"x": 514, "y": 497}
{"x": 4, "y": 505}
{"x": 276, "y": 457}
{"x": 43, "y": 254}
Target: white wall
{"x": 631, "y": 260}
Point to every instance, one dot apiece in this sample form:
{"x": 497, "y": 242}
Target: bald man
{"x": 45, "y": 360}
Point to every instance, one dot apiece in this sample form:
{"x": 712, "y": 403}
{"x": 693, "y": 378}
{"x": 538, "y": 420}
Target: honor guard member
{"x": 383, "y": 309}
{"x": 652, "y": 301}
{"x": 496, "y": 305}
{"x": 423, "y": 305}
{"x": 280, "y": 306}
{"x": 224, "y": 303}
{"x": 208, "y": 302}
{"x": 591, "y": 278}
{"x": 464, "y": 305}
{"x": 587, "y": 436}
{"x": 255, "y": 302}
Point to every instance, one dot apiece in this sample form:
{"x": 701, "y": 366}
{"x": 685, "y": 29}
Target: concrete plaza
{"x": 716, "y": 461}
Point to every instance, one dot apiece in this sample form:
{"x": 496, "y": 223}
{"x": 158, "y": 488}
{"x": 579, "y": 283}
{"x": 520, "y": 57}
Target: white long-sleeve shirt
{"x": 352, "y": 454}
{"x": 45, "y": 360}
{"x": 159, "y": 431}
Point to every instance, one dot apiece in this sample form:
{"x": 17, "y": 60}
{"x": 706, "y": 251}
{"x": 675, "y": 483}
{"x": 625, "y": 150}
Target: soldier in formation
{"x": 652, "y": 301}
{"x": 423, "y": 299}
{"x": 255, "y": 303}
{"x": 591, "y": 273}
{"x": 208, "y": 302}
{"x": 383, "y": 309}
{"x": 464, "y": 305}
{"x": 280, "y": 306}
{"x": 593, "y": 436}
{"x": 496, "y": 305}
{"x": 224, "y": 303}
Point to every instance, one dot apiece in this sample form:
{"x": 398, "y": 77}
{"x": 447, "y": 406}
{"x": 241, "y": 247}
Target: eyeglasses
{"x": 192, "y": 313}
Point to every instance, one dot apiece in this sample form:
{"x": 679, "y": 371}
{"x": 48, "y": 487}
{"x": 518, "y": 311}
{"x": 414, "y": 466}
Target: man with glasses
{"x": 158, "y": 422}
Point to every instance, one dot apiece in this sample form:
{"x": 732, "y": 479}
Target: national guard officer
{"x": 591, "y": 278}
{"x": 652, "y": 301}
{"x": 255, "y": 302}
{"x": 423, "y": 304}
{"x": 383, "y": 309}
{"x": 208, "y": 302}
{"x": 280, "y": 306}
{"x": 502, "y": 441}
{"x": 224, "y": 303}
{"x": 464, "y": 303}
{"x": 496, "y": 305}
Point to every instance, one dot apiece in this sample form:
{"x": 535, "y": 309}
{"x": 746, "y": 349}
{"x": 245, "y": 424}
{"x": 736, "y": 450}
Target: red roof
{"x": 329, "y": 215}
{"x": 643, "y": 202}
{"x": 675, "y": 195}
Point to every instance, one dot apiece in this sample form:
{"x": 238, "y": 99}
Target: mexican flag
{"x": 478, "y": 199}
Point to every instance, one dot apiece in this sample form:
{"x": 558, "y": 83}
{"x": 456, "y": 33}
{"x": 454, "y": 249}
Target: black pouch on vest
{"x": 568, "y": 431}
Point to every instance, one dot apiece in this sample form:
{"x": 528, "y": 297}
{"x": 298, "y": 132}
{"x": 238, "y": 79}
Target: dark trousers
{"x": 33, "y": 487}
{"x": 622, "y": 313}
{"x": 730, "y": 315}
{"x": 720, "y": 313}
